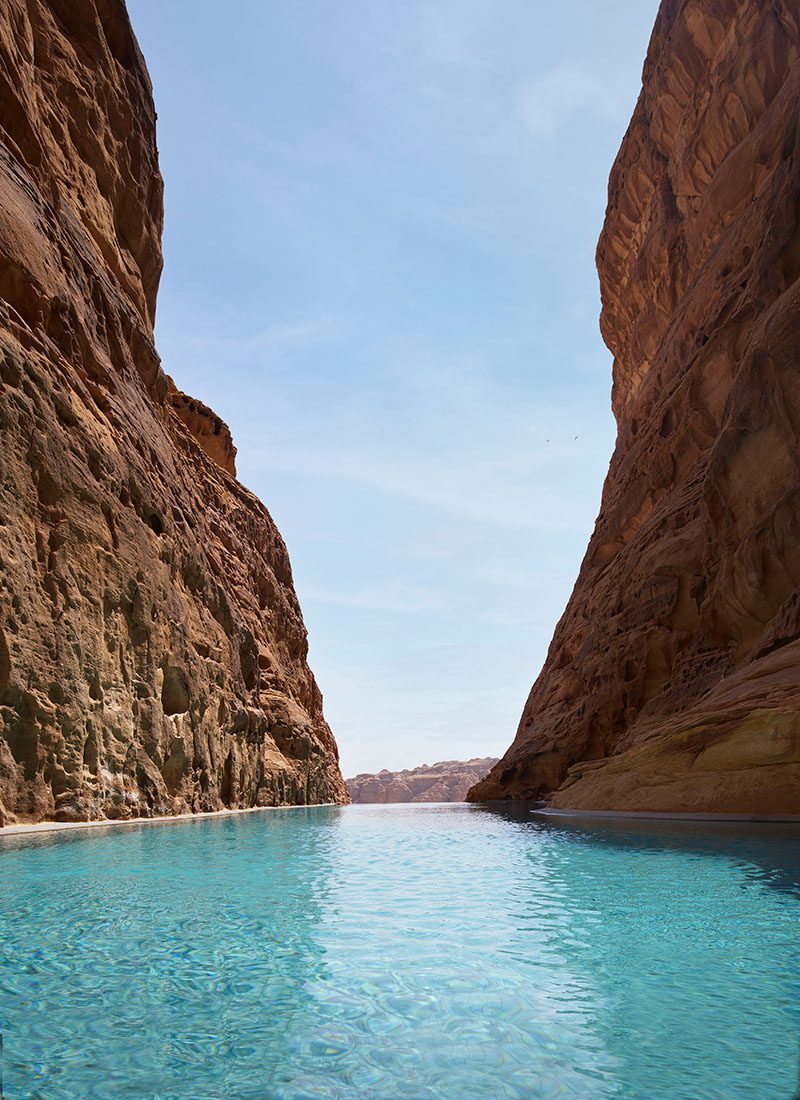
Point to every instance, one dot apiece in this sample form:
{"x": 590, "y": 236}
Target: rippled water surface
{"x": 401, "y": 952}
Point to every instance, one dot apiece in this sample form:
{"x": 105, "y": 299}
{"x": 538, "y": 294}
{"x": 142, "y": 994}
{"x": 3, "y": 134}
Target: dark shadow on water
{"x": 769, "y": 851}
{"x": 767, "y": 854}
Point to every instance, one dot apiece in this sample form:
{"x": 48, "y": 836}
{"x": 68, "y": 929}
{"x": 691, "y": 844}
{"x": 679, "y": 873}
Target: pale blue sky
{"x": 380, "y": 229}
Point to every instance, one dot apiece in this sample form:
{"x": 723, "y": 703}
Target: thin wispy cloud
{"x": 389, "y": 598}
{"x": 267, "y": 346}
{"x": 554, "y": 97}
{"x": 464, "y": 493}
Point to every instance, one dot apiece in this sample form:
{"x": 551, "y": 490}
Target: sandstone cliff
{"x": 673, "y": 678}
{"x": 152, "y": 651}
{"x": 447, "y": 781}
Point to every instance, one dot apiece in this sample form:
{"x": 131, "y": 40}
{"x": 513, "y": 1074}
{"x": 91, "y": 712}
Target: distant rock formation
{"x": 673, "y": 679}
{"x": 152, "y": 650}
{"x": 447, "y": 781}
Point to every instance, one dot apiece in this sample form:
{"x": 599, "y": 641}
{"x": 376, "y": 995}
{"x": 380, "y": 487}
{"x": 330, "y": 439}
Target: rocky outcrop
{"x": 152, "y": 650}
{"x": 447, "y": 781}
{"x": 673, "y": 679}
{"x": 208, "y": 430}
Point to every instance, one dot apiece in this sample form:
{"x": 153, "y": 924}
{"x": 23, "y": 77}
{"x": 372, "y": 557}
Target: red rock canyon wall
{"x": 673, "y": 679}
{"x": 152, "y": 650}
{"x": 446, "y": 781}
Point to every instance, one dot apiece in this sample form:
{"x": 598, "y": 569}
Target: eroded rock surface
{"x": 152, "y": 650}
{"x": 447, "y": 781}
{"x": 673, "y": 679}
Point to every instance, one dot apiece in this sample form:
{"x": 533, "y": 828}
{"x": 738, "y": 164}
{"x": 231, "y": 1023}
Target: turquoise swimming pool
{"x": 401, "y": 952}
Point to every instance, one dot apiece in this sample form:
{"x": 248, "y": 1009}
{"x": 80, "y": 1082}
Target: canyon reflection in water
{"x": 402, "y": 951}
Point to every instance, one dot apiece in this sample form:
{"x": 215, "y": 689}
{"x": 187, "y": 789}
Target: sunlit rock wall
{"x": 152, "y": 650}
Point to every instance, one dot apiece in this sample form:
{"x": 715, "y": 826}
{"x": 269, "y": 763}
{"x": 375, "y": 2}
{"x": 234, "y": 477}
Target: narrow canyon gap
{"x": 152, "y": 649}
{"x": 673, "y": 679}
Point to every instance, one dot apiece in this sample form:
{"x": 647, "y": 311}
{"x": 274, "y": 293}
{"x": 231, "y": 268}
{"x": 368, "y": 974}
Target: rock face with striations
{"x": 152, "y": 650}
{"x": 673, "y": 679}
{"x": 447, "y": 781}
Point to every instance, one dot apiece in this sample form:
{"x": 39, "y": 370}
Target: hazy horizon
{"x": 379, "y": 270}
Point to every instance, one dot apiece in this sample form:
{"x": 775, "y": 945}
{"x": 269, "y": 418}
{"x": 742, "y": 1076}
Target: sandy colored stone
{"x": 673, "y": 679}
{"x": 152, "y": 650}
{"x": 447, "y": 781}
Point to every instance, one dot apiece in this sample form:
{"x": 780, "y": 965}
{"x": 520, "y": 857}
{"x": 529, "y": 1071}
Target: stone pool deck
{"x": 636, "y": 815}
{"x": 167, "y": 819}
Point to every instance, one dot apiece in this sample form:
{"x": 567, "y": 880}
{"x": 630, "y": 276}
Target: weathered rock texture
{"x": 673, "y": 678}
{"x": 447, "y": 781}
{"x": 152, "y": 651}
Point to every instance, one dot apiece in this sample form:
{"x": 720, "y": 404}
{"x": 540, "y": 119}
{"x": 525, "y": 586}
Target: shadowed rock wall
{"x": 152, "y": 650}
{"x": 673, "y": 678}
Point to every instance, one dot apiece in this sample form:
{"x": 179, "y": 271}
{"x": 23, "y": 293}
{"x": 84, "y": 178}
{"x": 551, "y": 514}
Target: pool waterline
{"x": 415, "y": 951}
{"x": 49, "y": 826}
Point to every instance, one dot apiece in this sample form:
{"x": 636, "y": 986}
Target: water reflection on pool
{"x": 407, "y": 952}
